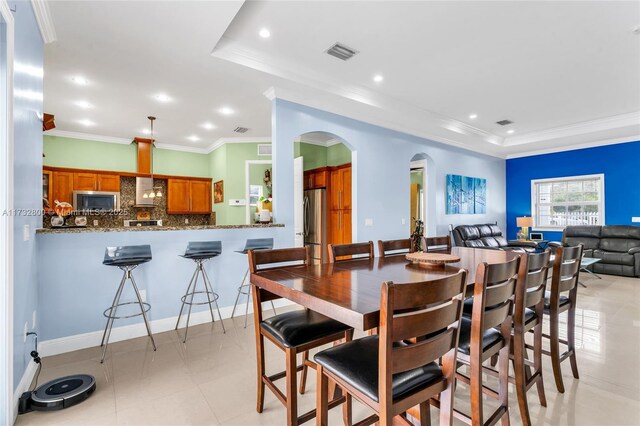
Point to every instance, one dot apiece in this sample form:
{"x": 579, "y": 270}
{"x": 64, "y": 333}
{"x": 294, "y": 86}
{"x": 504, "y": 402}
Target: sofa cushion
{"x": 502, "y": 241}
{"x": 615, "y": 258}
{"x": 475, "y": 243}
{"x": 495, "y": 230}
{"x": 490, "y": 242}
{"x": 621, "y": 231}
{"x": 469, "y": 232}
{"x": 582, "y": 231}
{"x": 484, "y": 230}
{"x": 618, "y": 244}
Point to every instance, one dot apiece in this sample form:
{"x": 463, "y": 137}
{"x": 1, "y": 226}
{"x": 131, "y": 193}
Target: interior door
{"x": 298, "y": 193}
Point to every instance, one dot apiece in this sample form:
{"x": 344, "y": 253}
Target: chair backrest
{"x": 394, "y": 247}
{"x": 352, "y": 249}
{"x": 566, "y": 272}
{"x": 437, "y": 244}
{"x": 532, "y": 282}
{"x": 259, "y": 258}
{"x": 426, "y": 315}
{"x": 493, "y": 297}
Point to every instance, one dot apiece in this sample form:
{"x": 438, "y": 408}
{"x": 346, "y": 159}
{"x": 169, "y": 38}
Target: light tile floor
{"x": 211, "y": 379}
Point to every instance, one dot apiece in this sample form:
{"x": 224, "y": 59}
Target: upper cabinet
{"x": 85, "y": 182}
{"x": 110, "y": 183}
{"x": 185, "y": 196}
{"x": 340, "y": 189}
{"x": 62, "y": 188}
{"x": 316, "y": 178}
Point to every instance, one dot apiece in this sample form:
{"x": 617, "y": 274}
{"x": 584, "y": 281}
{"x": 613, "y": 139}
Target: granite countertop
{"x": 153, "y": 228}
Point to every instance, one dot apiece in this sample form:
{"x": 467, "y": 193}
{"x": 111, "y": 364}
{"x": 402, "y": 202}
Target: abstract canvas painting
{"x": 466, "y": 195}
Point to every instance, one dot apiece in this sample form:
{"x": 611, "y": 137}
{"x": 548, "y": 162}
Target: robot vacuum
{"x": 59, "y": 393}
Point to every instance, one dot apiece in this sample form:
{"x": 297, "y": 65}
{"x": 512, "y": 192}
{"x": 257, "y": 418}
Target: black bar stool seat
{"x": 200, "y": 252}
{"x": 127, "y": 258}
{"x": 245, "y": 287}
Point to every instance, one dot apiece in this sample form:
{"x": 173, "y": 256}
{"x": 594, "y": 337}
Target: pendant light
{"x": 155, "y": 191}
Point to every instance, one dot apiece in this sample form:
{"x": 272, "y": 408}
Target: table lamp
{"x": 525, "y": 223}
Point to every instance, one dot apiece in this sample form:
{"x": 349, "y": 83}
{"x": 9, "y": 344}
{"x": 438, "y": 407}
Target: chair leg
{"x": 322, "y": 398}
{"x": 186, "y": 329}
{"x": 519, "y": 352}
{"x": 144, "y": 314}
{"x": 185, "y": 298}
{"x": 303, "y": 373}
{"x": 425, "y": 414}
{"x": 274, "y": 308}
{"x": 246, "y": 309}
{"x": 537, "y": 363}
{"x": 475, "y": 394}
{"x": 260, "y": 370}
{"x": 209, "y": 287}
{"x": 554, "y": 346}
{"x": 292, "y": 391}
{"x": 112, "y": 314}
{"x": 571, "y": 341}
{"x": 235, "y": 304}
{"x": 503, "y": 386}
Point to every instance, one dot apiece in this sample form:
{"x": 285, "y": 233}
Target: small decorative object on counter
{"x": 63, "y": 210}
{"x": 264, "y": 204}
{"x": 81, "y": 221}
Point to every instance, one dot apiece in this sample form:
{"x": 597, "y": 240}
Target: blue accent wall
{"x": 619, "y": 163}
{"x": 28, "y": 86}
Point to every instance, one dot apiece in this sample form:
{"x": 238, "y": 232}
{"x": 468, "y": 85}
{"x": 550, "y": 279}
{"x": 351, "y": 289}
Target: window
{"x": 255, "y": 192}
{"x": 576, "y": 200}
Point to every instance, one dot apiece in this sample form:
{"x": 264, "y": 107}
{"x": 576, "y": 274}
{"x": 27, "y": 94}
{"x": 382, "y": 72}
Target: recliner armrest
{"x": 555, "y": 244}
{"x": 634, "y": 250}
{"x": 518, "y": 243}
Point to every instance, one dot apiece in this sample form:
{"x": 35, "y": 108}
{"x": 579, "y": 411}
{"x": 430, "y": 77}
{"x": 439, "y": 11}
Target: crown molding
{"x": 87, "y": 136}
{"x": 45, "y": 22}
{"x": 576, "y": 129}
{"x": 222, "y": 141}
{"x": 181, "y": 148}
{"x": 564, "y": 148}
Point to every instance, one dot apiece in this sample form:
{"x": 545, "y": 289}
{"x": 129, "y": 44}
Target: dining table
{"x": 349, "y": 290}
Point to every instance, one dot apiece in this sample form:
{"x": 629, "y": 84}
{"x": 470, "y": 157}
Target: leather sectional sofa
{"x": 487, "y": 236}
{"x": 617, "y": 245}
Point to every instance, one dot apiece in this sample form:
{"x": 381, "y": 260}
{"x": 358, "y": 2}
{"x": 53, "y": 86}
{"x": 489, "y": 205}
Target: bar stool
{"x": 127, "y": 258}
{"x": 245, "y": 287}
{"x": 200, "y": 252}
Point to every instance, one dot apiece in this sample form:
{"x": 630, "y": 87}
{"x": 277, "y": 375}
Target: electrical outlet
{"x": 403, "y": 221}
{"x": 186, "y": 221}
{"x": 143, "y": 295}
{"x": 368, "y": 222}
{"x": 26, "y": 232}
{"x": 95, "y": 222}
{"x": 33, "y": 320}
{"x": 635, "y": 219}
{"x": 26, "y": 330}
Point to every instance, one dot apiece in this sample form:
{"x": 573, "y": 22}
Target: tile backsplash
{"x": 128, "y": 212}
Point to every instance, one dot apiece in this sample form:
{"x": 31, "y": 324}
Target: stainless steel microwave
{"x": 96, "y": 201}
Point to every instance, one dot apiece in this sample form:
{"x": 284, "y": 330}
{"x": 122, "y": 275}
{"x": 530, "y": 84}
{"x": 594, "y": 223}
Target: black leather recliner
{"x": 488, "y": 236}
{"x": 617, "y": 245}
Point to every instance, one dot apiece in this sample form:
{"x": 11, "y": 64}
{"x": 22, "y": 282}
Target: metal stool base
{"x": 111, "y": 313}
{"x": 212, "y": 297}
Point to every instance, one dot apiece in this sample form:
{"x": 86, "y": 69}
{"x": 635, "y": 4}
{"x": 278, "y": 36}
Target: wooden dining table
{"x": 349, "y": 291}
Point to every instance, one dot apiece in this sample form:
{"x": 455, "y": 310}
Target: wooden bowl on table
{"x": 432, "y": 259}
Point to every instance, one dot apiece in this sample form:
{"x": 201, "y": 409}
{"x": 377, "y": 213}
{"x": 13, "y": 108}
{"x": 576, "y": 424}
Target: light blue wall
{"x": 381, "y": 160}
{"x": 27, "y": 178}
{"x": 75, "y": 288}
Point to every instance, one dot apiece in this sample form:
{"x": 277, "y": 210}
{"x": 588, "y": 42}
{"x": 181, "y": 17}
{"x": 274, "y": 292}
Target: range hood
{"x": 144, "y": 184}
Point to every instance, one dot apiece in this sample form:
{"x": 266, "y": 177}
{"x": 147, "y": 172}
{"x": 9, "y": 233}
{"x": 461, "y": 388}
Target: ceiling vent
{"x": 241, "y": 129}
{"x": 341, "y": 51}
{"x": 504, "y": 122}
{"x": 264, "y": 149}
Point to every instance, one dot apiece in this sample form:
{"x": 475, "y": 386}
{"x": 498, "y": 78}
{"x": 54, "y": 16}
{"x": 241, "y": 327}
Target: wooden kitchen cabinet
{"x": 340, "y": 226}
{"x": 85, "y": 182}
{"x": 62, "y": 188}
{"x": 186, "y": 196}
{"x": 340, "y": 189}
{"x": 110, "y": 183}
{"x": 200, "y": 196}
{"x": 316, "y": 178}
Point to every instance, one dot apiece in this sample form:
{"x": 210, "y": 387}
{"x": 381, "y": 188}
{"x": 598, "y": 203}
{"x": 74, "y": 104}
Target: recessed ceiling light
{"x": 162, "y": 97}
{"x": 208, "y": 126}
{"x": 193, "y": 138}
{"x": 83, "y": 104}
{"x": 473, "y": 116}
{"x": 378, "y": 78}
{"x": 265, "y": 33}
{"x": 510, "y": 131}
{"x": 86, "y": 123}
{"x": 226, "y": 111}
{"x": 79, "y": 80}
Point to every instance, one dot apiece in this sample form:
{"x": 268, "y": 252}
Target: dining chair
{"x": 294, "y": 332}
{"x": 391, "y": 377}
{"x": 562, "y": 298}
{"x": 437, "y": 244}
{"x": 337, "y": 252}
{"x": 395, "y": 247}
{"x": 493, "y": 299}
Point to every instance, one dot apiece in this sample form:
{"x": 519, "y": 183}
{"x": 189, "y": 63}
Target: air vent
{"x": 504, "y": 122}
{"x": 241, "y": 129}
{"x": 264, "y": 149}
{"x": 341, "y": 51}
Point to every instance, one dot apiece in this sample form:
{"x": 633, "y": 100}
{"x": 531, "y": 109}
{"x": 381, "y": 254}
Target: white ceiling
{"x": 566, "y": 73}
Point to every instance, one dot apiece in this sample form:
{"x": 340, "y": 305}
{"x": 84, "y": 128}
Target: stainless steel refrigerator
{"x": 315, "y": 223}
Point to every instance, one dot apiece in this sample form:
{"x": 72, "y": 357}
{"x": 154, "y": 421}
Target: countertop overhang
{"x": 152, "y": 228}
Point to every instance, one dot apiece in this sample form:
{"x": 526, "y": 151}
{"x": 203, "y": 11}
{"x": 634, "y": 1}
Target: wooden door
{"x": 200, "y": 194}
{"x": 109, "y": 183}
{"x": 345, "y": 178}
{"x": 178, "y": 196}
{"x": 62, "y": 188}
{"x": 85, "y": 182}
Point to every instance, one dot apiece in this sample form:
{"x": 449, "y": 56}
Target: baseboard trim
{"x": 23, "y": 386}
{"x": 88, "y": 340}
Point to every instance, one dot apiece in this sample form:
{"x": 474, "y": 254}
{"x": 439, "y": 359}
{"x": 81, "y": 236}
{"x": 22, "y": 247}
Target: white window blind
{"x": 575, "y": 200}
